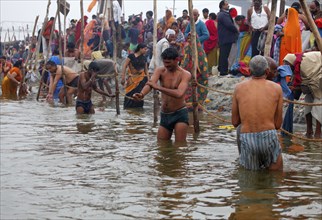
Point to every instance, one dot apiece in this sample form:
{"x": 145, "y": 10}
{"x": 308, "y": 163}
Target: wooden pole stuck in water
{"x": 270, "y": 31}
{"x": 82, "y": 34}
{"x": 117, "y": 90}
{"x": 38, "y": 47}
{"x": 312, "y": 24}
{"x": 60, "y": 54}
{"x": 156, "y": 102}
{"x": 103, "y": 25}
{"x": 194, "y": 68}
{"x": 29, "y": 58}
{"x": 52, "y": 31}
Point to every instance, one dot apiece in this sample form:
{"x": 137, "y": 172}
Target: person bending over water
{"x": 173, "y": 85}
{"x": 86, "y": 84}
{"x": 257, "y": 108}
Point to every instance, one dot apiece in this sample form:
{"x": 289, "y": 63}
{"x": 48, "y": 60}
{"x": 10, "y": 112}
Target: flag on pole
{"x": 91, "y": 6}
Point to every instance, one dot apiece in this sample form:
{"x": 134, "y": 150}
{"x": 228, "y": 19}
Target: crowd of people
{"x": 226, "y": 42}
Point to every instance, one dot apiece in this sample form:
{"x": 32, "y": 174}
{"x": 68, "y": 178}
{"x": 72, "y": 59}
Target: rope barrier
{"x": 284, "y": 100}
{"x": 215, "y": 90}
{"x": 302, "y": 103}
{"x": 299, "y": 137}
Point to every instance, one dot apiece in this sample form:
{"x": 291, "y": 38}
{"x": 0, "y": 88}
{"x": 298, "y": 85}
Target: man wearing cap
{"x": 87, "y": 82}
{"x": 164, "y": 43}
{"x": 257, "y": 110}
{"x": 307, "y": 74}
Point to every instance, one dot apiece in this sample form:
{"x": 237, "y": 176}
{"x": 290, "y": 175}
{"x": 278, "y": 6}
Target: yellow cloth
{"x": 134, "y": 80}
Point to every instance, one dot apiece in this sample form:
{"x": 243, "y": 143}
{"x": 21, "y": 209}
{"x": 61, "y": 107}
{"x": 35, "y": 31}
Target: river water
{"x": 55, "y": 165}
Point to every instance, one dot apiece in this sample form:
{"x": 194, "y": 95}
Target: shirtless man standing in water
{"x": 257, "y": 107}
{"x": 173, "y": 85}
{"x": 86, "y": 83}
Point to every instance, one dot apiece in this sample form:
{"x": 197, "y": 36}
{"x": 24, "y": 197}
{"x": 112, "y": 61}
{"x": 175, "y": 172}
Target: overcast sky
{"x": 20, "y": 13}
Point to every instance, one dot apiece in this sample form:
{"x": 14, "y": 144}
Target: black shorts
{"x": 169, "y": 120}
{"x": 74, "y": 82}
{"x": 86, "y": 105}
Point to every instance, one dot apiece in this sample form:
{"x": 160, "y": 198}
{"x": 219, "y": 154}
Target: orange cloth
{"x": 9, "y": 87}
{"x": 91, "y": 5}
{"x": 88, "y": 34}
{"x": 291, "y": 41}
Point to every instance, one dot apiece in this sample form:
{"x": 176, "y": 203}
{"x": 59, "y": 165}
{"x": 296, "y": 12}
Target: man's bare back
{"x": 68, "y": 72}
{"x": 257, "y": 104}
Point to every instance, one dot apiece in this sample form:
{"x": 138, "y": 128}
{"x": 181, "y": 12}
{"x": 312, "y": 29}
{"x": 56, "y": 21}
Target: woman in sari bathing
{"x": 11, "y": 81}
{"x": 136, "y": 64}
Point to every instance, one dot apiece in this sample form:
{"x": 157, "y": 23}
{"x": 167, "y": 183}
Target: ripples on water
{"x": 59, "y": 166}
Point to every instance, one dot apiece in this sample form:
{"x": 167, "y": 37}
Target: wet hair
{"x": 258, "y": 65}
{"x": 18, "y": 63}
{"x": 239, "y": 18}
{"x": 170, "y": 54}
{"x": 213, "y": 16}
{"x": 139, "y": 47}
{"x": 205, "y": 10}
{"x": 71, "y": 45}
{"x": 221, "y": 4}
{"x": 150, "y": 13}
{"x": 93, "y": 66}
{"x": 51, "y": 63}
{"x": 296, "y": 6}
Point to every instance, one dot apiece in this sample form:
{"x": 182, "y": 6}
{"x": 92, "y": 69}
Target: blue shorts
{"x": 169, "y": 120}
{"x": 86, "y": 105}
{"x": 259, "y": 150}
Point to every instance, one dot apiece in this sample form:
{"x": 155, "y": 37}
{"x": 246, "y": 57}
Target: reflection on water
{"x": 57, "y": 165}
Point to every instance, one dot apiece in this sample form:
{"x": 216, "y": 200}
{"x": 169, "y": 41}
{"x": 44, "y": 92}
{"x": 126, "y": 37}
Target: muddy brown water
{"x": 56, "y": 165}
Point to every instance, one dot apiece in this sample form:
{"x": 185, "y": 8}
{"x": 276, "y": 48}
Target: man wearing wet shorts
{"x": 169, "y": 120}
{"x": 257, "y": 113}
{"x": 173, "y": 85}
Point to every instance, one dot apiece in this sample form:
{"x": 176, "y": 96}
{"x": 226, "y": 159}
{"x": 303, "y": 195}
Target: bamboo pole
{"x": 40, "y": 34}
{"x": 103, "y": 25}
{"x": 8, "y": 35}
{"x": 282, "y": 7}
{"x": 36, "y": 54}
{"x": 29, "y": 52}
{"x": 13, "y": 34}
{"x": 60, "y": 53}
{"x": 82, "y": 34}
{"x": 194, "y": 68}
{"x": 270, "y": 31}
{"x": 117, "y": 97}
{"x": 4, "y": 44}
{"x": 65, "y": 35}
{"x": 312, "y": 24}
{"x": 155, "y": 94}
{"x": 52, "y": 31}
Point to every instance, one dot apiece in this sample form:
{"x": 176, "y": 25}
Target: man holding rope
{"x": 86, "y": 83}
{"x": 257, "y": 109}
{"x": 174, "y": 82}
